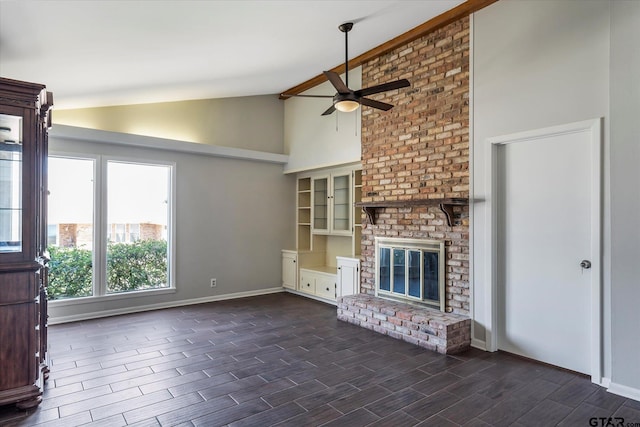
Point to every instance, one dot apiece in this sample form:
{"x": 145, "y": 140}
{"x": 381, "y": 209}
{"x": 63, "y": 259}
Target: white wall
{"x": 535, "y": 64}
{"x": 313, "y": 141}
{"x": 233, "y": 216}
{"x": 625, "y": 196}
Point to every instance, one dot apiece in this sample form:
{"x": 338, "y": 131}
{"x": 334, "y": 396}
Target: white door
{"x": 546, "y": 225}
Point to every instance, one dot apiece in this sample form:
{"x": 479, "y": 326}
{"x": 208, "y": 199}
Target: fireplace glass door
{"x": 412, "y": 270}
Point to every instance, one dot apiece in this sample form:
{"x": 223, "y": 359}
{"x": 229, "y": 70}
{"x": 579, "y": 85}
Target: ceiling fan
{"x": 347, "y": 100}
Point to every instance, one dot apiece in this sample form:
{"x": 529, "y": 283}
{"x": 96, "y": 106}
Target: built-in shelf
{"x": 445, "y": 205}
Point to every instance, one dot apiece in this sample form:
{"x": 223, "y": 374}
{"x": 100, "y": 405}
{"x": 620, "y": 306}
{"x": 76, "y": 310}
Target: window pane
{"x": 431, "y": 282}
{"x": 414, "y": 274}
{"x": 385, "y": 269}
{"x": 137, "y": 219}
{"x": 70, "y": 227}
{"x": 399, "y": 280}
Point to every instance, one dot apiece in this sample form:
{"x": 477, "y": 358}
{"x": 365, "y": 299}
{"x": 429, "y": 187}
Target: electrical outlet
{"x": 214, "y": 283}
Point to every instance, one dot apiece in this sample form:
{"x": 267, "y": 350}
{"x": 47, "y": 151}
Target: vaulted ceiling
{"x": 96, "y": 53}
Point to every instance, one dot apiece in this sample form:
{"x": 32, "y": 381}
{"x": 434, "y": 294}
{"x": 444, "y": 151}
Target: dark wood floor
{"x": 285, "y": 360}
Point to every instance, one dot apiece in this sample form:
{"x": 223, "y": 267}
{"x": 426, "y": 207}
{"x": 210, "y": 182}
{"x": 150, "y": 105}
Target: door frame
{"x": 594, "y": 128}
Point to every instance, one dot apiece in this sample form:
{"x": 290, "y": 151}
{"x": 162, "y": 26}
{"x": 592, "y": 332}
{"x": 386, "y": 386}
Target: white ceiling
{"x": 97, "y": 53}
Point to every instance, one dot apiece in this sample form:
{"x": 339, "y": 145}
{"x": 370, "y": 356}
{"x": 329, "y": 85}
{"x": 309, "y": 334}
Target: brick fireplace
{"x": 419, "y": 151}
{"x": 413, "y": 155}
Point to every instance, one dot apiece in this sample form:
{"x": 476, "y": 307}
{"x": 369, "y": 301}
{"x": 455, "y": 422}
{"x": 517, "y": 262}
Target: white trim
{"x": 303, "y": 294}
{"x": 624, "y": 391}
{"x": 324, "y": 169}
{"x": 594, "y": 127}
{"x": 472, "y": 313}
{"x": 150, "y": 307}
{"x": 479, "y": 344}
{"x": 117, "y": 138}
{"x": 66, "y": 302}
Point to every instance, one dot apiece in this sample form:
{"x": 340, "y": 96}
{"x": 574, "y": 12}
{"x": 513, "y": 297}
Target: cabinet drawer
{"x": 326, "y": 287}
{"x": 307, "y": 283}
{"x": 19, "y": 287}
{"x": 319, "y": 283}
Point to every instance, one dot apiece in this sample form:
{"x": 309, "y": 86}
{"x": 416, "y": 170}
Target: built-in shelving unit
{"x": 303, "y": 217}
{"x": 445, "y": 205}
{"x": 328, "y": 233}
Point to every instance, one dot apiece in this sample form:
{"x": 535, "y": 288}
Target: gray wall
{"x": 233, "y": 216}
{"x": 625, "y": 193}
{"x": 539, "y": 64}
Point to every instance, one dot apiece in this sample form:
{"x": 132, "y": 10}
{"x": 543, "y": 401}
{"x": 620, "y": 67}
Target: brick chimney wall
{"x": 420, "y": 150}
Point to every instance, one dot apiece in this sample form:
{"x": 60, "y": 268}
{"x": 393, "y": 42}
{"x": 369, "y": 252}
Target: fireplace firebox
{"x": 410, "y": 270}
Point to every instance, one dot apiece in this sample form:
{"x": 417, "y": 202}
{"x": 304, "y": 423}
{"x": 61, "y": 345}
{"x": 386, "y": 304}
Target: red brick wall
{"x": 420, "y": 150}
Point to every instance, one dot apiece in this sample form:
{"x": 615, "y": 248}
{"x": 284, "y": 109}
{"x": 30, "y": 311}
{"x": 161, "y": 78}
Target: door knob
{"x": 585, "y": 264}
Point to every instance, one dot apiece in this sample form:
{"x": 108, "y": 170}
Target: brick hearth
{"x": 446, "y": 333}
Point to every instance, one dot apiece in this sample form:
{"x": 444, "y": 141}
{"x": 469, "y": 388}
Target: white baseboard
{"x": 302, "y": 294}
{"x": 128, "y": 310}
{"x": 624, "y": 391}
{"x": 479, "y": 344}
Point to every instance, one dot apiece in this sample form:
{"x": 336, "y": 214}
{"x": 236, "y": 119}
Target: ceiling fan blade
{"x": 329, "y": 111}
{"x": 376, "y": 104}
{"x": 382, "y": 88}
{"x": 337, "y": 82}
{"x": 290, "y": 95}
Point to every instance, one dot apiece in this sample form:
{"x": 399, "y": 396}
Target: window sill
{"x": 102, "y": 298}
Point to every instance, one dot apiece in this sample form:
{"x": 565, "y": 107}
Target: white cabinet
{"x": 326, "y": 286}
{"x": 289, "y": 269}
{"x": 348, "y": 279}
{"x": 318, "y": 283}
{"x": 332, "y": 204}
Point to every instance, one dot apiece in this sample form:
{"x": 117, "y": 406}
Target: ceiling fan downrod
{"x": 345, "y": 28}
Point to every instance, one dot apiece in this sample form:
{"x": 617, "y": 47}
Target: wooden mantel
{"x": 445, "y": 205}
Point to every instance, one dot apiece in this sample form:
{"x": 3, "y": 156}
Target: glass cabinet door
{"x": 10, "y": 183}
{"x": 341, "y": 203}
{"x": 320, "y": 204}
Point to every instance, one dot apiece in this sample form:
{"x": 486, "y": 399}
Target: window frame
{"x": 100, "y": 195}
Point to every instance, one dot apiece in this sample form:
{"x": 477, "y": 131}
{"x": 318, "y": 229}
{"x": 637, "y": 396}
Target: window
{"x": 138, "y": 196}
{"x": 70, "y": 227}
{"x": 410, "y": 270}
{"x": 131, "y": 251}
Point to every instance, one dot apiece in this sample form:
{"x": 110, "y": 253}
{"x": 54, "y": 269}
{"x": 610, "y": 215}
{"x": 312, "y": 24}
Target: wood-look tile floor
{"x": 285, "y": 360}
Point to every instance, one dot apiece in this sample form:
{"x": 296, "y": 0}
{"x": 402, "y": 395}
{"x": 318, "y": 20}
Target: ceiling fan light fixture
{"x": 346, "y": 105}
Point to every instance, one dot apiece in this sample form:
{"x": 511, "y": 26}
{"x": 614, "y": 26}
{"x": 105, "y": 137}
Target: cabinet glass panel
{"x": 10, "y": 183}
{"x": 341, "y": 203}
{"x": 320, "y": 197}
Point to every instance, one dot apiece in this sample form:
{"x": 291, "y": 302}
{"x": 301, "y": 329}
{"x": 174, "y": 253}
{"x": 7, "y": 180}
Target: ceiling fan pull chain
{"x": 355, "y": 125}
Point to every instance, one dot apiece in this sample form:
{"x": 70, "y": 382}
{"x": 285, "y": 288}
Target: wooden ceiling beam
{"x": 442, "y": 20}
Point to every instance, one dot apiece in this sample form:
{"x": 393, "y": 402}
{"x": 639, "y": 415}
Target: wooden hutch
{"x": 24, "y": 122}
